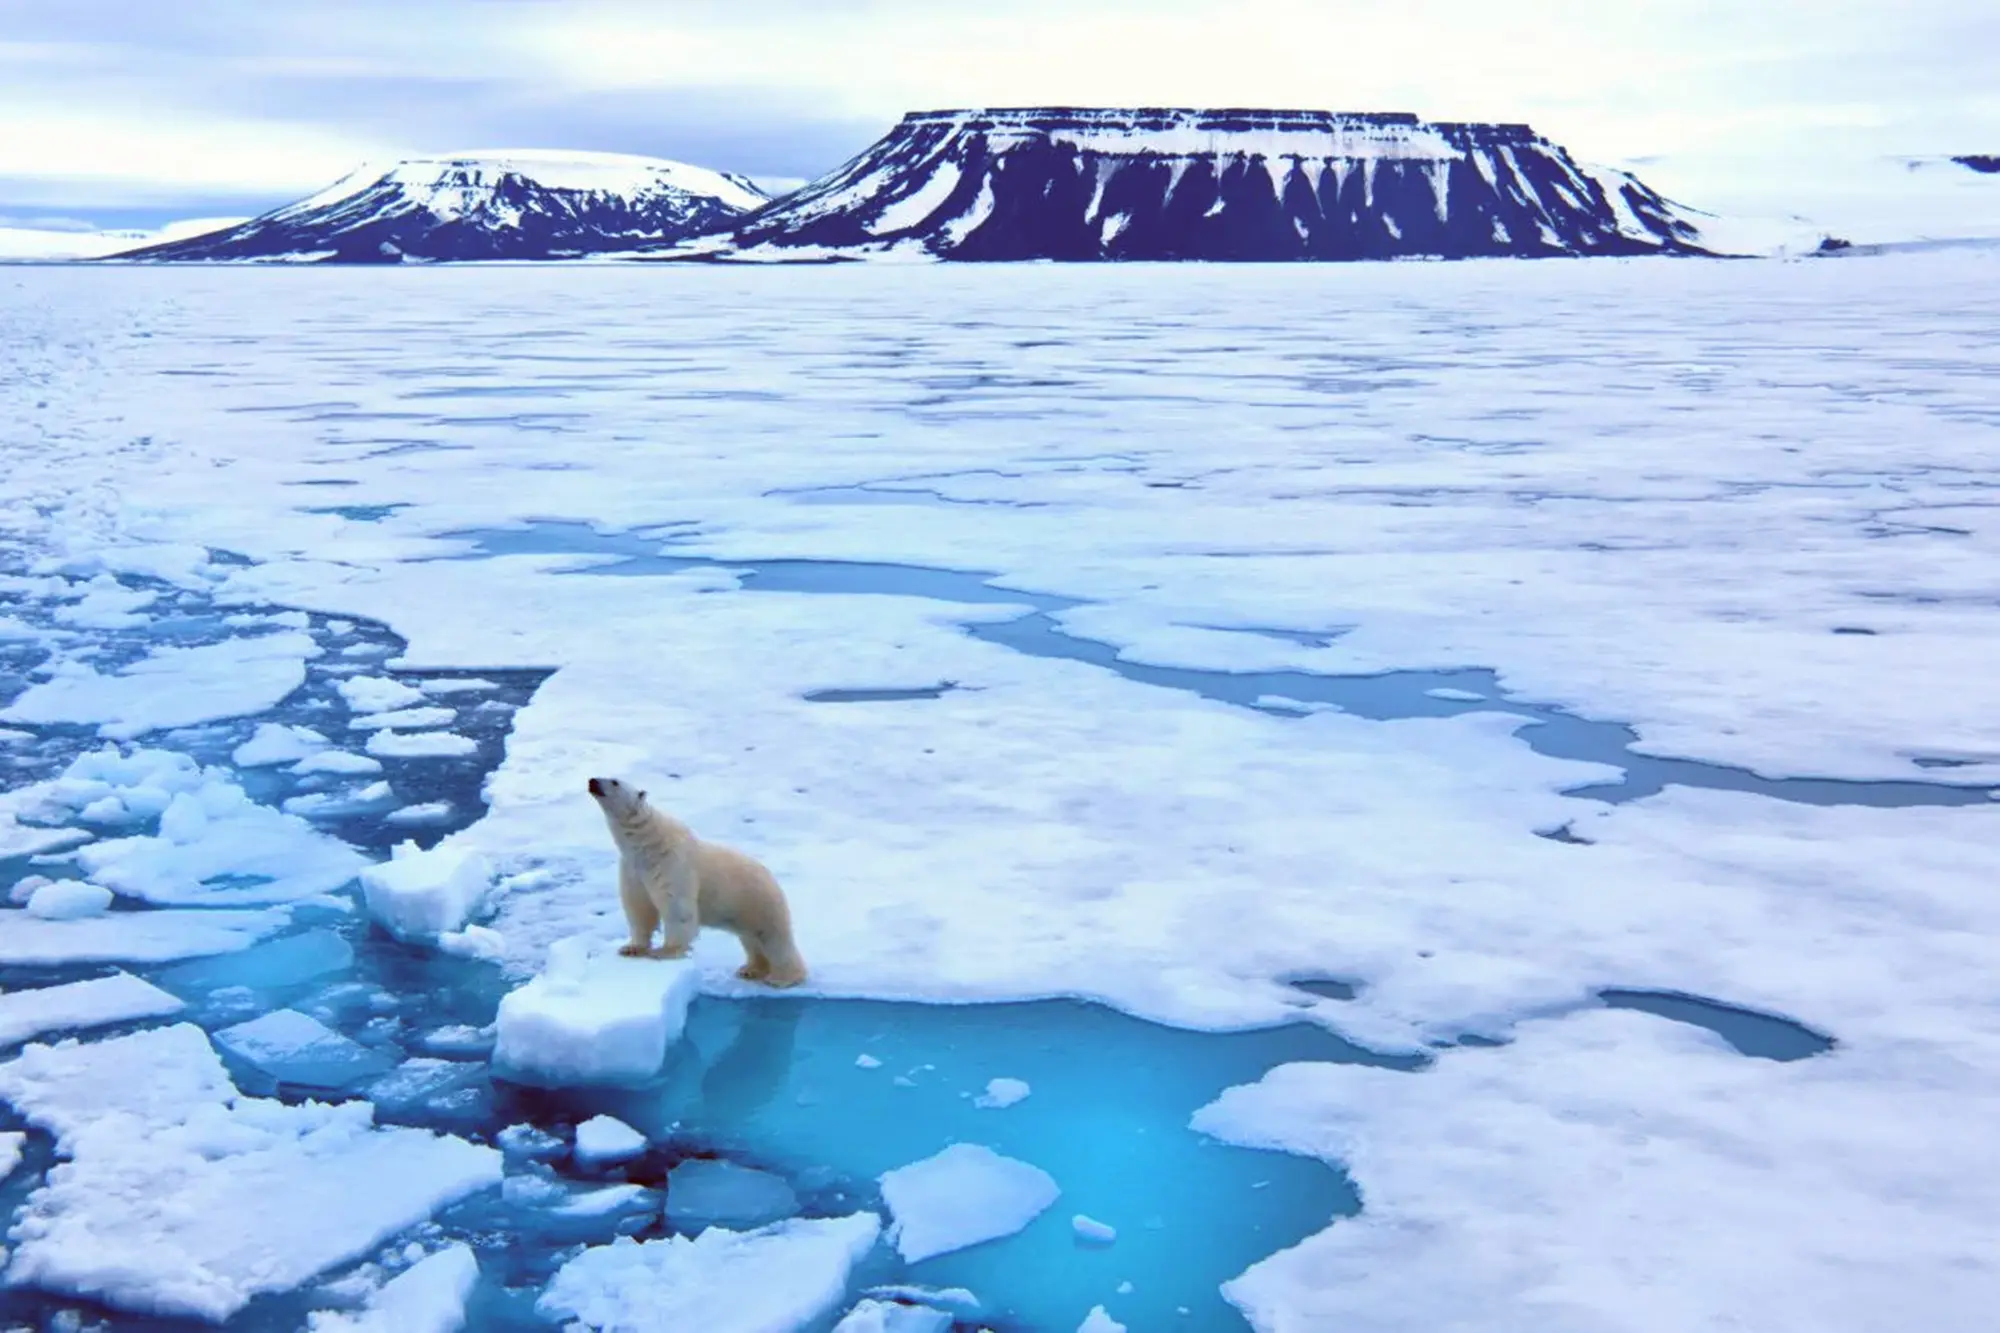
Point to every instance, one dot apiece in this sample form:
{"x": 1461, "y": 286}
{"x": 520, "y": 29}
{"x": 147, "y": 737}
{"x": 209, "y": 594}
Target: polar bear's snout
{"x": 617, "y": 798}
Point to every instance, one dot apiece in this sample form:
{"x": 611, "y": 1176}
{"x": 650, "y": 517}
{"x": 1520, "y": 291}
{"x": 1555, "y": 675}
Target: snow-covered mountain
{"x": 1078, "y": 184}
{"x": 485, "y": 205}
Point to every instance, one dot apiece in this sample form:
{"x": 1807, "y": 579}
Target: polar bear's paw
{"x": 664, "y": 952}
{"x": 633, "y": 951}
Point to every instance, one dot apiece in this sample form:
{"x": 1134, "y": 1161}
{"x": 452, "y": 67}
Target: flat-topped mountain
{"x": 1073, "y": 183}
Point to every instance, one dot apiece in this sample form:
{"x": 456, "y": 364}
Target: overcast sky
{"x": 112, "y": 110}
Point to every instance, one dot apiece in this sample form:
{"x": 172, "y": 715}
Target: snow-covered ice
{"x": 962, "y": 1196}
{"x": 377, "y": 694}
{"x": 11, "y": 1144}
{"x": 1733, "y": 506}
{"x": 170, "y": 687}
{"x": 592, "y": 1016}
{"x": 117, "y": 998}
{"x": 420, "y": 895}
{"x": 278, "y": 743}
{"x": 132, "y": 937}
{"x": 427, "y": 1297}
{"x": 603, "y": 1140}
{"x": 392, "y": 744}
{"x": 873, "y": 1316}
{"x": 1097, "y": 1321}
{"x": 773, "y": 1280}
{"x": 68, "y": 900}
{"x": 343, "y": 762}
{"x": 183, "y": 1197}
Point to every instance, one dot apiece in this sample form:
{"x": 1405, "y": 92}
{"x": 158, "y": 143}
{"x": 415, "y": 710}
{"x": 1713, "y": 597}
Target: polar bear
{"x": 670, "y": 879}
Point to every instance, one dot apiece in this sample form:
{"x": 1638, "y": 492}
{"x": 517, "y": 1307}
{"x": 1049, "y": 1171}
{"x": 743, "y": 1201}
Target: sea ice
{"x": 278, "y": 743}
{"x": 183, "y": 1197}
{"x": 132, "y": 937}
{"x": 420, "y": 744}
{"x": 963, "y": 1196}
{"x": 430, "y": 812}
{"x": 68, "y": 900}
{"x": 1097, "y": 1321}
{"x": 603, "y": 1140}
{"x": 1091, "y": 1231}
{"x": 117, "y": 998}
{"x": 1001, "y": 1093}
{"x": 272, "y": 857}
{"x": 427, "y": 1297}
{"x": 703, "y": 1192}
{"x": 377, "y": 694}
{"x": 171, "y": 686}
{"x": 593, "y": 1017}
{"x": 873, "y": 1316}
{"x": 297, "y": 1048}
{"x": 12, "y": 1145}
{"x": 411, "y": 718}
{"x": 420, "y": 895}
{"x": 343, "y": 762}
{"x": 528, "y": 1141}
{"x": 773, "y": 1280}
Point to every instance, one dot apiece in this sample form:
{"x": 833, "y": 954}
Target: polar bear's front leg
{"x": 676, "y": 894}
{"x": 641, "y": 917}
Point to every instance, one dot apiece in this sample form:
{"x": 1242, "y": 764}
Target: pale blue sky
{"x": 117, "y": 112}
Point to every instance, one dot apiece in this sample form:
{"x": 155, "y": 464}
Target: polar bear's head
{"x": 620, "y": 801}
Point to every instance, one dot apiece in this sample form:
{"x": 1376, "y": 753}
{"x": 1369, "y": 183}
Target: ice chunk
{"x": 873, "y": 1316}
{"x": 344, "y": 762}
{"x": 159, "y": 1075}
{"x": 527, "y": 1141}
{"x": 405, "y": 717}
{"x": 701, "y": 1192}
{"x": 377, "y": 694}
{"x": 963, "y": 1196}
{"x": 420, "y": 1080}
{"x": 1097, "y": 1321}
{"x": 297, "y": 1048}
{"x": 866, "y": 1061}
{"x": 171, "y": 686}
{"x": 427, "y": 1297}
{"x": 430, "y": 812}
{"x": 417, "y": 895}
{"x": 457, "y": 685}
{"x": 420, "y": 744}
{"x": 68, "y": 900}
{"x": 774, "y": 1280}
{"x": 276, "y": 743}
{"x": 270, "y": 966}
{"x": 132, "y": 937}
{"x": 603, "y": 1140}
{"x": 607, "y": 1199}
{"x": 1001, "y": 1093}
{"x": 593, "y": 1017}
{"x": 183, "y": 1197}
{"x": 12, "y": 1144}
{"x": 334, "y": 805}
{"x": 474, "y": 942}
{"x": 26, "y": 840}
{"x": 271, "y": 856}
{"x": 117, "y": 998}
{"x": 1458, "y": 696}
{"x": 1091, "y": 1231}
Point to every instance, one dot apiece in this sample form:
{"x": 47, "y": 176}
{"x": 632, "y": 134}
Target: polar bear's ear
{"x": 642, "y": 796}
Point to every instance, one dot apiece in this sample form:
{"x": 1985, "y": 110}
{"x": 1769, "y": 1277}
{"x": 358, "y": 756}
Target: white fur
{"x": 671, "y": 881}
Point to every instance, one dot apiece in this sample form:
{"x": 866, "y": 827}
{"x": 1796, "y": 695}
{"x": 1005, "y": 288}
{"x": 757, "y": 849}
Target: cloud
{"x": 235, "y": 99}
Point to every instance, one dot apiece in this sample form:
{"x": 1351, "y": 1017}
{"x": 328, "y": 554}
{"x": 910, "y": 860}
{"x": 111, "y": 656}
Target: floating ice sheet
{"x": 427, "y": 1297}
{"x": 774, "y": 1280}
{"x": 171, "y": 687}
{"x": 182, "y": 1197}
{"x": 593, "y": 1017}
{"x": 962, "y": 1196}
{"x": 117, "y": 998}
{"x": 133, "y": 937}
{"x": 418, "y": 895}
